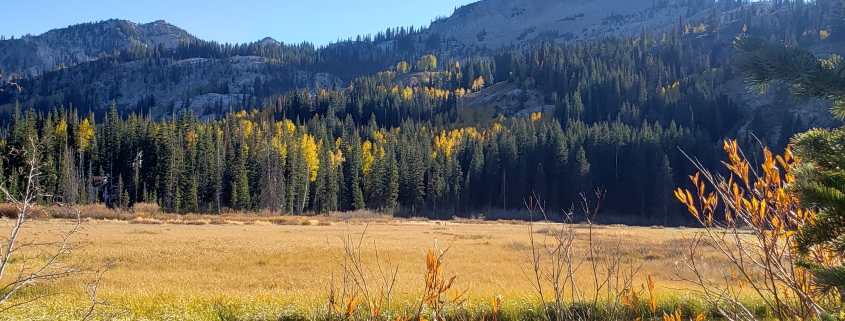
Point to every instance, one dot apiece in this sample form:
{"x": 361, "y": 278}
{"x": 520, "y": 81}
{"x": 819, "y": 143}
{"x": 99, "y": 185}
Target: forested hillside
{"x": 298, "y": 129}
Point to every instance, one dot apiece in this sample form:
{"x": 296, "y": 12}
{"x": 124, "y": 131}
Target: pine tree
{"x": 392, "y": 184}
{"x": 663, "y": 186}
{"x": 583, "y": 172}
{"x": 241, "y": 199}
{"x": 354, "y": 170}
{"x": 820, "y": 178}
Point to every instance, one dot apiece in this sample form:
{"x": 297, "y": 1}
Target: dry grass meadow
{"x": 261, "y": 269}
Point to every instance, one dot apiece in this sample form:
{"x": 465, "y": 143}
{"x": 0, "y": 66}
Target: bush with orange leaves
{"x": 750, "y": 217}
{"x": 376, "y": 288}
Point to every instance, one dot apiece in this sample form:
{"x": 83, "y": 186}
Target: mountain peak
{"x": 498, "y": 24}
{"x": 83, "y": 42}
{"x": 269, "y": 41}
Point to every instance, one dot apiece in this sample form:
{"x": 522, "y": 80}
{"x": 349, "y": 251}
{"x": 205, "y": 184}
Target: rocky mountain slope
{"x": 496, "y": 24}
{"x": 84, "y": 42}
{"x": 208, "y": 84}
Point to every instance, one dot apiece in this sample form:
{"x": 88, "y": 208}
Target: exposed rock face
{"x": 84, "y": 42}
{"x": 498, "y": 24}
{"x": 209, "y": 86}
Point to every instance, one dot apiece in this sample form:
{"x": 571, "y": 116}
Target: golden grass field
{"x": 262, "y": 269}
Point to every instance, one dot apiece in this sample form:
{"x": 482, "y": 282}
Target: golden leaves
{"x": 478, "y": 84}
{"x": 309, "y": 153}
{"x": 61, "y": 130}
{"x": 84, "y": 134}
{"x": 349, "y": 308}
{"x": 336, "y": 158}
{"x": 407, "y": 93}
{"x": 191, "y": 139}
{"x": 437, "y": 284}
{"x": 652, "y": 304}
{"x": 760, "y": 198}
{"x": 367, "y": 156}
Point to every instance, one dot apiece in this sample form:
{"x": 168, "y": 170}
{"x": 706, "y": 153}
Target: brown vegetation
{"x": 750, "y": 218}
{"x": 265, "y": 265}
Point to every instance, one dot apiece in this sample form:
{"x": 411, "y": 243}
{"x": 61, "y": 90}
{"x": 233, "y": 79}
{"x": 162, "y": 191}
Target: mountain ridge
{"x": 84, "y": 42}
{"x": 201, "y": 77}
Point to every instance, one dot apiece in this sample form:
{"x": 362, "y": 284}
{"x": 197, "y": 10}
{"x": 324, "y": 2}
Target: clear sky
{"x": 289, "y": 21}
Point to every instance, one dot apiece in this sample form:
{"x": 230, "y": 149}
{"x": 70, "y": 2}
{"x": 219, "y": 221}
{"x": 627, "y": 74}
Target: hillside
{"x": 85, "y": 42}
{"x": 459, "y": 129}
{"x": 496, "y": 24}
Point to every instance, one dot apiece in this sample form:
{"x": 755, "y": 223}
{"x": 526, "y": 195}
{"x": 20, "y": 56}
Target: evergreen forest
{"x": 399, "y": 138}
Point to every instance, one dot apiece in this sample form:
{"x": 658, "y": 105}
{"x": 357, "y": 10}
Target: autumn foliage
{"x": 751, "y": 216}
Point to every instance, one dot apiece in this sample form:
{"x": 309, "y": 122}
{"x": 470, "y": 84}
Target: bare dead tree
{"x": 29, "y": 261}
{"x": 374, "y": 281}
{"x": 556, "y": 264}
{"x": 93, "y": 310}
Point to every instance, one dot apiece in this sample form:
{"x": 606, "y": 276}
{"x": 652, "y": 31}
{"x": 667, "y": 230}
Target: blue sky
{"x": 316, "y": 21}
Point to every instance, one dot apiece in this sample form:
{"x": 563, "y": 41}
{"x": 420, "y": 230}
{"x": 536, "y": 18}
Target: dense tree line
{"x": 255, "y": 161}
{"x": 405, "y": 142}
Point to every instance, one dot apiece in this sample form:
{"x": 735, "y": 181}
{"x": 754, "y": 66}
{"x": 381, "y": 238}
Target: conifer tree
{"x": 392, "y": 185}
{"x": 820, "y": 178}
{"x": 583, "y": 172}
{"x": 354, "y": 169}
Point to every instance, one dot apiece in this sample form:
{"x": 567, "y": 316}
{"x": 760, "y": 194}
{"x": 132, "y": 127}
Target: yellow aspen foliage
{"x": 286, "y": 128}
{"x": 281, "y": 147}
{"x": 83, "y": 135}
{"x": 670, "y": 87}
{"x": 460, "y": 92}
{"x": 279, "y": 141}
{"x": 336, "y": 159}
{"x": 824, "y": 34}
{"x": 247, "y": 127}
{"x": 472, "y": 132}
{"x": 478, "y": 84}
{"x": 403, "y": 67}
{"x": 447, "y": 142}
{"x": 394, "y": 90}
{"x": 427, "y": 63}
{"x": 435, "y": 93}
{"x": 61, "y": 130}
{"x": 191, "y": 139}
{"x": 309, "y": 152}
{"x": 368, "y": 157}
{"x": 407, "y": 93}
{"x": 379, "y": 136}
{"x": 536, "y": 116}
